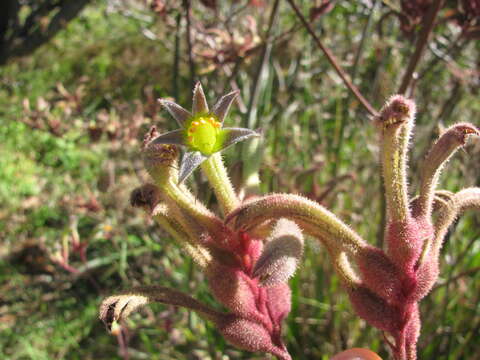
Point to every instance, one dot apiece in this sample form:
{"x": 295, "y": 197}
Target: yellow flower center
{"x": 203, "y": 134}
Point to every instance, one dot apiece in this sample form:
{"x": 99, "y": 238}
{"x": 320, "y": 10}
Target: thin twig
{"x": 333, "y": 61}
{"x": 191, "y": 63}
{"x": 122, "y": 343}
{"x": 421, "y": 44}
{"x": 176, "y": 58}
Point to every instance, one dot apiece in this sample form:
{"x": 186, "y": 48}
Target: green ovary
{"x": 204, "y": 134}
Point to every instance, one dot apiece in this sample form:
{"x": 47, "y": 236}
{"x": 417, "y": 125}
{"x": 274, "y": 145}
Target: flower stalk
{"x": 222, "y": 186}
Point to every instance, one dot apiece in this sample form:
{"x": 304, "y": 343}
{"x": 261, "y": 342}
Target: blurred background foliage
{"x": 78, "y": 90}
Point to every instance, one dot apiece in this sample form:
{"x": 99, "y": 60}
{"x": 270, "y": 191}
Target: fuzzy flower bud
{"x": 280, "y": 302}
{"x": 160, "y": 159}
{"x": 427, "y": 275}
{"x": 232, "y": 288}
{"x": 251, "y": 336}
{"x": 146, "y": 196}
{"x": 374, "y": 309}
{"x": 281, "y": 254}
{"x": 378, "y": 272}
{"x": 405, "y": 242}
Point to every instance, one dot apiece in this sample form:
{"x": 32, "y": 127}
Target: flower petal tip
{"x": 190, "y": 161}
{"x": 199, "y": 101}
{"x": 222, "y": 107}
{"x": 174, "y": 137}
{"x": 178, "y": 112}
{"x": 235, "y": 135}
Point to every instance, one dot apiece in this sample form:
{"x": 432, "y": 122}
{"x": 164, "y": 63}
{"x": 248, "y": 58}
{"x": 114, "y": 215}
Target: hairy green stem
{"x": 218, "y": 177}
{"x": 196, "y": 209}
{"x": 175, "y": 229}
{"x": 337, "y": 235}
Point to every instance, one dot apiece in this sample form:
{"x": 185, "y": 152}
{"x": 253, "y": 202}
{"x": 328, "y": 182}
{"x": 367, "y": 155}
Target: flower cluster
{"x": 249, "y": 255}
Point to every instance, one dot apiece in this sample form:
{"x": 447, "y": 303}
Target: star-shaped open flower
{"x": 202, "y": 132}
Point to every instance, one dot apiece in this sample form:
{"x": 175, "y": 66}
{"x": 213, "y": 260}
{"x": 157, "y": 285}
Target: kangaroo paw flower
{"x": 449, "y": 142}
{"x": 118, "y": 307}
{"x": 202, "y": 132}
{"x": 395, "y": 123}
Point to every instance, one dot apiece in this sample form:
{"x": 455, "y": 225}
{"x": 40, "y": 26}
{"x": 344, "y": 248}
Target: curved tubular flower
{"x": 118, "y": 307}
{"x": 240, "y": 331}
{"x": 385, "y": 286}
{"x": 202, "y": 132}
{"x": 451, "y": 140}
{"x": 466, "y": 199}
{"x": 299, "y": 209}
{"x": 395, "y": 123}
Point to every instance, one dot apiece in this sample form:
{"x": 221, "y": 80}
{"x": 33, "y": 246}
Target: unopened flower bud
{"x": 146, "y": 196}
{"x": 379, "y": 273}
{"x": 374, "y": 310}
{"x": 160, "y": 159}
{"x": 281, "y": 254}
{"x": 427, "y": 275}
{"x": 405, "y": 242}
{"x": 251, "y": 336}
{"x": 232, "y": 289}
{"x": 397, "y": 110}
{"x": 279, "y": 298}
